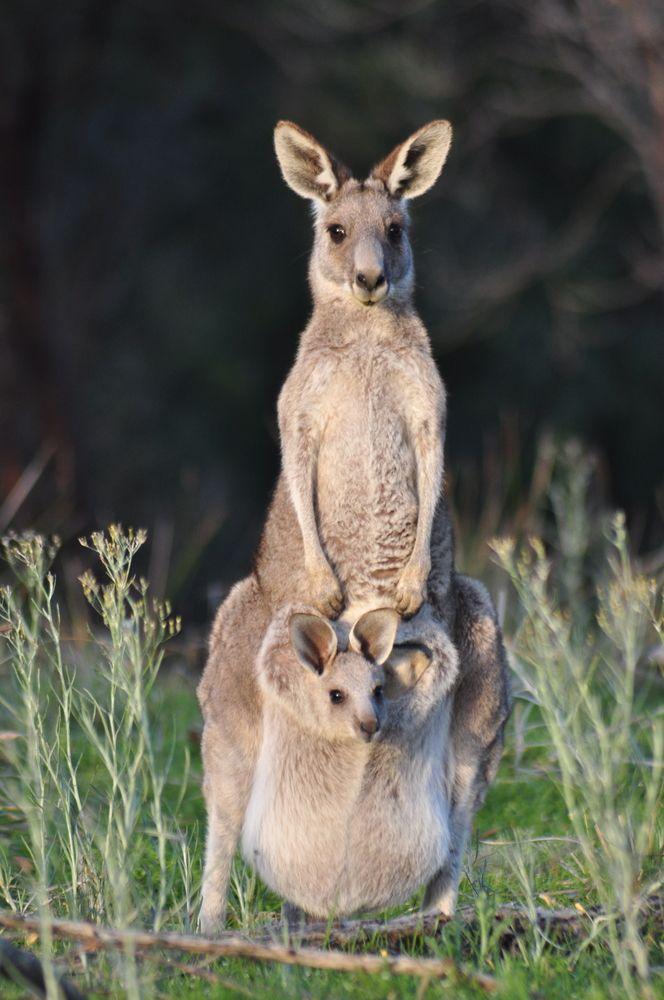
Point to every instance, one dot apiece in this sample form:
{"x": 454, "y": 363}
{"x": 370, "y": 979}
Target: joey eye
{"x": 336, "y": 697}
{"x": 378, "y": 692}
{"x": 394, "y": 231}
{"x": 337, "y": 233}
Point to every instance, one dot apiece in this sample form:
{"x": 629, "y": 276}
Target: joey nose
{"x": 369, "y": 726}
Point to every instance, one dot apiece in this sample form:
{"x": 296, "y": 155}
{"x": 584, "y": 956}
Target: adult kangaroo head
{"x": 361, "y": 248}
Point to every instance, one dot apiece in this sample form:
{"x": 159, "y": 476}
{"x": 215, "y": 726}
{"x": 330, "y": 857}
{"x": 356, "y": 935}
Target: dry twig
{"x": 233, "y": 946}
{"x": 559, "y": 924}
{"x": 516, "y": 920}
{"x": 562, "y": 923}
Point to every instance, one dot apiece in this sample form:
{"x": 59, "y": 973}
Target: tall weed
{"x": 583, "y": 672}
{"x": 88, "y": 766}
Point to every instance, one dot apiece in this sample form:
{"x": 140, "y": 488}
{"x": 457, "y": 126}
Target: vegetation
{"x": 101, "y": 816}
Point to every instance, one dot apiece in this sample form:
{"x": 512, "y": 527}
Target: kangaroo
{"x": 362, "y": 412}
{"x": 358, "y": 516}
{"x": 349, "y": 744}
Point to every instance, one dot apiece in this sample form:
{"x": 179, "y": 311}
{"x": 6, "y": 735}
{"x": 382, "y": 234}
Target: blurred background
{"x": 153, "y": 264}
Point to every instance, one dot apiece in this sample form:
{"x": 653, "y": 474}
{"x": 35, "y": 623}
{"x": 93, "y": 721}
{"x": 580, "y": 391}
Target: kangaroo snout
{"x": 371, "y": 280}
{"x": 370, "y": 283}
{"x": 369, "y": 288}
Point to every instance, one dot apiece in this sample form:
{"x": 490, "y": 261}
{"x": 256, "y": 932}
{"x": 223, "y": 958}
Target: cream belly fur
{"x": 405, "y": 793}
{"x": 309, "y": 841}
{"x": 362, "y": 426}
{"x": 294, "y": 831}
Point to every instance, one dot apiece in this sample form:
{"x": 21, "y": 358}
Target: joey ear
{"x": 306, "y": 166}
{"x": 415, "y": 165}
{"x": 404, "y": 668}
{"x": 373, "y": 634}
{"x": 314, "y": 641}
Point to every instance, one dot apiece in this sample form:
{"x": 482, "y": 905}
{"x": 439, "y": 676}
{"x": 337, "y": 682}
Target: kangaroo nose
{"x": 369, "y": 725}
{"x": 370, "y": 280}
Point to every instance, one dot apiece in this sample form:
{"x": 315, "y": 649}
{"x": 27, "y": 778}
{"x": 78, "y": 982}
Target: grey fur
{"x": 358, "y": 521}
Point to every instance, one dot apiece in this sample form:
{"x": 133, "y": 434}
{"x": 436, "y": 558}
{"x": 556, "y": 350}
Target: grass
{"x": 102, "y": 819}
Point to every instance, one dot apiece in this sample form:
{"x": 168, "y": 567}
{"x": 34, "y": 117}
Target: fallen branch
{"x": 558, "y": 924}
{"x": 395, "y": 932}
{"x": 233, "y": 946}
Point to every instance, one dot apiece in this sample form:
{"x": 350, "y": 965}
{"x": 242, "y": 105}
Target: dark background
{"x": 153, "y": 264}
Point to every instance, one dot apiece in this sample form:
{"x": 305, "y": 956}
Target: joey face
{"x": 343, "y": 691}
{"x": 361, "y": 252}
{"x": 348, "y": 700}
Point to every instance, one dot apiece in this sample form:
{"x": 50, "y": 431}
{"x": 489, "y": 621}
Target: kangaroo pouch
{"x": 295, "y": 832}
{"x": 399, "y": 837}
{"x": 362, "y": 830}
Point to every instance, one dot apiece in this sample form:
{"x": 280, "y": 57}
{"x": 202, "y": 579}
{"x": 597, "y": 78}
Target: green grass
{"x": 102, "y": 818}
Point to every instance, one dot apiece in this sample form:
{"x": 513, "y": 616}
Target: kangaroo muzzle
{"x": 370, "y": 282}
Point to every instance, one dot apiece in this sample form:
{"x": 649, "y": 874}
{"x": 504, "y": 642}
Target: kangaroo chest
{"x": 366, "y": 479}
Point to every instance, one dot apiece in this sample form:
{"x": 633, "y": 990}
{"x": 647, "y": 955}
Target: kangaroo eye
{"x": 336, "y": 697}
{"x": 378, "y": 692}
{"x": 337, "y": 233}
{"x": 394, "y": 232}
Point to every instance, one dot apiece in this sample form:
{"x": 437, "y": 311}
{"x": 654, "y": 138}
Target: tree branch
{"x": 561, "y": 924}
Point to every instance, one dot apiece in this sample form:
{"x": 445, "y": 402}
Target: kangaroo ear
{"x": 415, "y": 165}
{"x": 306, "y": 166}
{"x": 314, "y": 641}
{"x": 373, "y": 634}
{"x": 404, "y": 668}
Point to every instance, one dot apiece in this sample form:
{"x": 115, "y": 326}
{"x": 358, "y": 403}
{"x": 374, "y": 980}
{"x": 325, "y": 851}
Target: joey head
{"x": 340, "y": 695}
